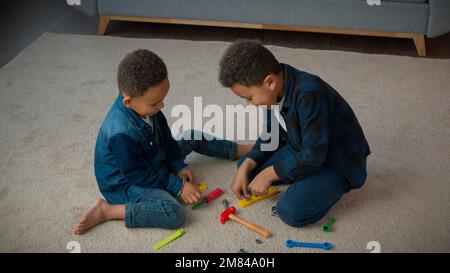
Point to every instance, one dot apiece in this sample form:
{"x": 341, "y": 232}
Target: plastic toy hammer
{"x": 229, "y": 213}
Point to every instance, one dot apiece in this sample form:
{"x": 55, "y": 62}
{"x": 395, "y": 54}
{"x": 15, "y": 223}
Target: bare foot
{"x": 92, "y": 217}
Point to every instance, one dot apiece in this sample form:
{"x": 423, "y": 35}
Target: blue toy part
{"x": 325, "y": 246}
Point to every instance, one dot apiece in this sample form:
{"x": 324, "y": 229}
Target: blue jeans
{"x": 158, "y": 208}
{"x": 154, "y": 208}
{"x": 307, "y": 200}
{"x": 202, "y": 143}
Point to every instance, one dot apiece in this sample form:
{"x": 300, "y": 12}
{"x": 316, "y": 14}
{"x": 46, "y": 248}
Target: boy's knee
{"x": 190, "y": 134}
{"x": 175, "y": 217}
{"x": 294, "y": 215}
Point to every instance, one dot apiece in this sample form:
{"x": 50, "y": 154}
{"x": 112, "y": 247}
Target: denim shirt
{"x": 131, "y": 156}
{"x": 322, "y": 130}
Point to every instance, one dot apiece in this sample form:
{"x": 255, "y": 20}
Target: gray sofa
{"x": 413, "y": 19}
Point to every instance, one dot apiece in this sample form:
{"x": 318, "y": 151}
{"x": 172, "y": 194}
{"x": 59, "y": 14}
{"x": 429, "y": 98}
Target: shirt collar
{"x": 289, "y": 84}
{"x": 280, "y": 104}
{"x": 132, "y": 115}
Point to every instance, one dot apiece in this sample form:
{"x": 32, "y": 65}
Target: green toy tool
{"x": 168, "y": 239}
{"x": 329, "y": 225}
{"x": 211, "y": 196}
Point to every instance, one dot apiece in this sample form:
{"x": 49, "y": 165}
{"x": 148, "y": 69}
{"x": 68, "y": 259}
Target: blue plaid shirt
{"x": 321, "y": 128}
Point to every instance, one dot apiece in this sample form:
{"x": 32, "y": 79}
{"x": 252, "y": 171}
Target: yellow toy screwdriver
{"x": 168, "y": 239}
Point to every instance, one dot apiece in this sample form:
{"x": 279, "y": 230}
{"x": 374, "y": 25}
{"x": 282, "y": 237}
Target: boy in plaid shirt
{"x": 322, "y": 149}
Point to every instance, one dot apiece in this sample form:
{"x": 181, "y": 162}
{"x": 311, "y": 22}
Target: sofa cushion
{"x": 405, "y": 17}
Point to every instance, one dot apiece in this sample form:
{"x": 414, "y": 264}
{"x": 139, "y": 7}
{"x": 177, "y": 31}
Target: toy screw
{"x": 328, "y": 226}
{"x": 225, "y": 203}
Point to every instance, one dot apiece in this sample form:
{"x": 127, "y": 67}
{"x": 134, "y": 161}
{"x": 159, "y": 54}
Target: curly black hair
{"x": 247, "y": 62}
{"x": 140, "y": 70}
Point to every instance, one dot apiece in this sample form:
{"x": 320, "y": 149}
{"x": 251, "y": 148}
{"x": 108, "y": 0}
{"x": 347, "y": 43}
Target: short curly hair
{"x": 247, "y": 62}
{"x": 140, "y": 70}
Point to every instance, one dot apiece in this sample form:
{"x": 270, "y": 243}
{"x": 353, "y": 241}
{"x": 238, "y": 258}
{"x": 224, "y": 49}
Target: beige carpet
{"x": 55, "y": 94}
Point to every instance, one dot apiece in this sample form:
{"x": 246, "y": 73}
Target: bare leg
{"x": 100, "y": 212}
{"x": 243, "y": 149}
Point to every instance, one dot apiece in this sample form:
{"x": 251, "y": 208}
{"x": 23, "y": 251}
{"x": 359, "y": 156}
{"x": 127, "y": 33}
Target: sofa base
{"x": 419, "y": 39}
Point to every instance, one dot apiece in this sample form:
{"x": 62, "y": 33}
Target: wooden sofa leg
{"x": 419, "y": 41}
{"x": 103, "y": 24}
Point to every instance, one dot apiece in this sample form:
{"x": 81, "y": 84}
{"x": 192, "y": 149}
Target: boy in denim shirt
{"x": 322, "y": 149}
{"x": 139, "y": 167}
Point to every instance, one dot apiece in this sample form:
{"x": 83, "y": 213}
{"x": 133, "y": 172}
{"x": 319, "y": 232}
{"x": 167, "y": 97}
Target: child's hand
{"x": 187, "y": 174}
{"x": 239, "y": 186}
{"x": 190, "y": 193}
{"x": 261, "y": 183}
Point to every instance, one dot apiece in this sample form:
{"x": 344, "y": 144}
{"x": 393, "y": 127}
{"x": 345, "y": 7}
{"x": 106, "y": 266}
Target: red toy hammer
{"x": 229, "y": 214}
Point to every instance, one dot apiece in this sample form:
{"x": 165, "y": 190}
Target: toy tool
{"x": 274, "y": 211}
{"x": 329, "y": 225}
{"x": 211, "y": 196}
{"x": 325, "y": 246}
{"x": 225, "y": 203}
{"x": 168, "y": 239}
{"x": 202, "y": 186}
{"x": 229, "y": 213}
{"x": 255, "y": 198}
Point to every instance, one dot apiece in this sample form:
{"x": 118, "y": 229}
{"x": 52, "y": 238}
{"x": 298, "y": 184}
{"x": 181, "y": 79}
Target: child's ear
{"x": 270, "y": 82}
{"x": 126, "y": 101}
